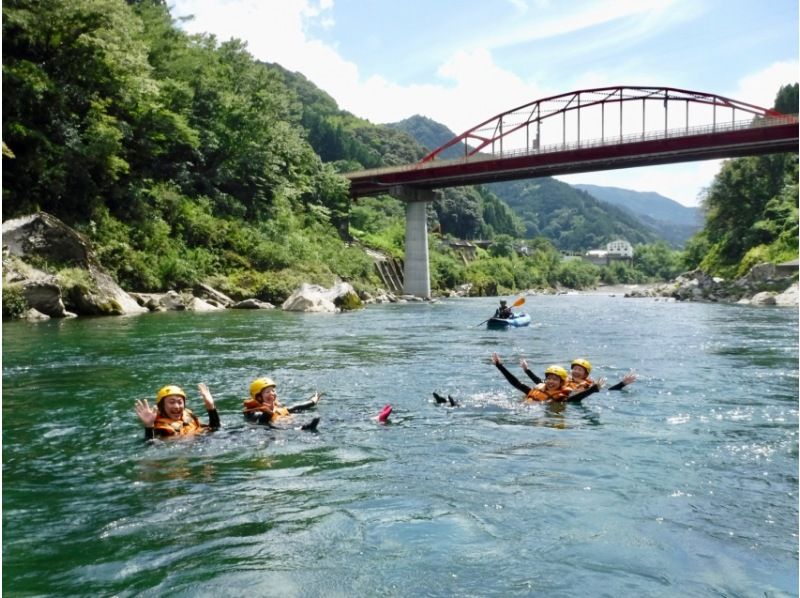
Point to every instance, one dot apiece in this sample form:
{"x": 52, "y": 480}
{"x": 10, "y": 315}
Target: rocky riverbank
{"x": 765, "y": 284}
{"x": 51, "y": 271}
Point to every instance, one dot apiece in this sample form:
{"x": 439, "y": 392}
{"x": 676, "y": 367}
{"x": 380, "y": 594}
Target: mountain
{"x": 430, "y": 134}
{"x": 570, "y": 218}
{"x": 672, "y": 221}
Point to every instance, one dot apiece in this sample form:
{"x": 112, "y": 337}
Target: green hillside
{"x": 572, "y": 219}
{"x": 670, "y": 220}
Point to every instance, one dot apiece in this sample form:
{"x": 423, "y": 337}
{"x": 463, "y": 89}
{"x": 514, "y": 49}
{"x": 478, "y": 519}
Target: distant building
{"x": 619, "y": 248}
{"x": 616, "y": 250}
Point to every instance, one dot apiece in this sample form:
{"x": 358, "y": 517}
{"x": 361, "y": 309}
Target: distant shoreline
{"x": 617, "y": 289}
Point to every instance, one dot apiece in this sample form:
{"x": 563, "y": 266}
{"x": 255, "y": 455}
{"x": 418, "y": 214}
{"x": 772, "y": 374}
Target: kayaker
{"x": 263, "y": 406}
{"x": 170, "y": 418}
{"x": 553, "y": 388}
{"x": 579, "y": 375}
{"x": 504, "y": 311}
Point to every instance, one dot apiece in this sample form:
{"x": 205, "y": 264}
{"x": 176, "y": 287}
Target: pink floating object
{"x": 385, "y": 413}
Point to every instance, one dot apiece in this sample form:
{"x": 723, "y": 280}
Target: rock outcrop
{"x": 314, "y": 298}
{"x": 59, "y": 287}
{"x": 763, "y": 285}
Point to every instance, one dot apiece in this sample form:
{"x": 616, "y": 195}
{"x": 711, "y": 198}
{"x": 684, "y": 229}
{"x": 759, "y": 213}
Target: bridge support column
{"x": 416, "y": 274}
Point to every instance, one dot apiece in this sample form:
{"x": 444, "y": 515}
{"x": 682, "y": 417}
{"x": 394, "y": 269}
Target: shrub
{"x": 14, "y": 303}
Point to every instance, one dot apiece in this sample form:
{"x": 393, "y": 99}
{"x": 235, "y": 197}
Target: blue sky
{"x": 461, "y": 62}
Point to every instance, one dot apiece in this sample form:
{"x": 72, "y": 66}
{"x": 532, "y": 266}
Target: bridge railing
{"x": 597, "y": 142}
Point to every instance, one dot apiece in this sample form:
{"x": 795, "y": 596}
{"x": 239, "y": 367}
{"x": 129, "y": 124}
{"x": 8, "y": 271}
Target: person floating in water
{"x": 170, "y": 418}
{"x": 263, "y": 406}
{"x": 504, "y": 311}
{"x": 552, "y": 389}
{"x": 579, "y": 375}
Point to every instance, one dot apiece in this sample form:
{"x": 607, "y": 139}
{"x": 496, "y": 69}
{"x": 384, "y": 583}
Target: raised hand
{"x": 523, "y": 363}
{"x": 146, "y": 413}
{"x": 600, "y": 383}
{"x": 207, "y": 398}
{"x": 496, "y": 359}
{"x": 629, "y": 378}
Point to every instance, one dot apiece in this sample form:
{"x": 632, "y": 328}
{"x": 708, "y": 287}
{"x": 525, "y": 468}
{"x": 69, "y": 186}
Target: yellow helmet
{"x": 259, "y": 384}
{"x": 168, "y": 390}
{"x": 558, "y": 371}
{"x": 584, "y": 364}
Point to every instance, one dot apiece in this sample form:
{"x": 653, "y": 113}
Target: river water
{"x": 683, "y": 484}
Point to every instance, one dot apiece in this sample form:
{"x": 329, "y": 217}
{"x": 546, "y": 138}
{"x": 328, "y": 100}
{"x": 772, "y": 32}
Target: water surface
{"x": 683, "y": 484}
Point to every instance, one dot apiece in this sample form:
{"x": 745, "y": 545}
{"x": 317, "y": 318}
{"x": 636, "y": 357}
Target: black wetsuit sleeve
{"x": 533, "y": 377}
{"x": 303, "y": 406}
{"x": 580, "y": 395}
{"x": 512, "y": 379}
{"x": 149, "y": 433}
{"x": 213, "y": 420}
{"x": 618, "y": 386}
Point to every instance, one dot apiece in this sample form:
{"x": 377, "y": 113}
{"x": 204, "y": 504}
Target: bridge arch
{"x": 527, "y": 120}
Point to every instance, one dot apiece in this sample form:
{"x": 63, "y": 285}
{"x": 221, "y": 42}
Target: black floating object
{"x": 453, "y": 402}
{"x": 312, "y": 425}
{"x": 439, "y": 398}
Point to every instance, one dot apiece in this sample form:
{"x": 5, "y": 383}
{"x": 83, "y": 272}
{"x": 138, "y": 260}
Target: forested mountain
{"x": 672, "y": 221}
{"x": 430, "y": 135}
{"x": 571, "y": 219}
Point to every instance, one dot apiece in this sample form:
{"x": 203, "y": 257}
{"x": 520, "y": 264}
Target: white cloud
{"x": 761, "y": 88}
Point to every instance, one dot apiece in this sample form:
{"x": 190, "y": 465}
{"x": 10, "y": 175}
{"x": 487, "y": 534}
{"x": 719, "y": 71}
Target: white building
{"x": 619, "y": 248}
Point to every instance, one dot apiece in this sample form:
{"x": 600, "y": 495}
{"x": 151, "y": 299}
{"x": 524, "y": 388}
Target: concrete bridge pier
{"x": 416, "y": 273}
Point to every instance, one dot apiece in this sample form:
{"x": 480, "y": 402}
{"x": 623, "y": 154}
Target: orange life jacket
{"x": 540, "y": 393}
{"x": 187, "y": 425}
{"x": 578, "y": 384}
{"x": 278, "y": 410}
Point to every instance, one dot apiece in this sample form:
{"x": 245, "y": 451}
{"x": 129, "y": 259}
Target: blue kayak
{"x": 515, "y": 321}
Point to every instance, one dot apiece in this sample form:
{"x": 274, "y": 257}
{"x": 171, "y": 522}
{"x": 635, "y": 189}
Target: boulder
{"x": 314, "y": 298}
{"x": 311, "y": 298}
{"x": 197, "y": 304}
{"x": 103, "y": 298}
{"x": 789, "y": 298}
{"x": 45, "y": 238}
{"x": 764, "y": 298}
{"x": 252, "y": 304}
{"x": 34, "y": 315}
{"x": 212, "y": 296}
{"x": 44, "y": 295}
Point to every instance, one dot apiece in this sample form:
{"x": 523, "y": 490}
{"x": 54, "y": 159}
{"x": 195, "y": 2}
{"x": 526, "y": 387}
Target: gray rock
{"x": 761, "y": 273}
{"x": 789, "y": 298}
{"x": 46, "y": 238}
{"x": 212, "y": 296}
{"x": 34, "y": 315}
{"x": 172, "y": 301}
{"x": 252, "y": 304}
{"x": 197, "y": 304}
{"x": 314, "y": 298}
{"x": 764, "y": 298}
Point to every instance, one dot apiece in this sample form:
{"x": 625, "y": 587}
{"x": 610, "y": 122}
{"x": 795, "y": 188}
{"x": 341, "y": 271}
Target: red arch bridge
{"x": 580, "y": 131}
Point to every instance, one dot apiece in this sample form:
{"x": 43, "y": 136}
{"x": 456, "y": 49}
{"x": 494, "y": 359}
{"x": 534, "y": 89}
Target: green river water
{"x": 683, "y": 484}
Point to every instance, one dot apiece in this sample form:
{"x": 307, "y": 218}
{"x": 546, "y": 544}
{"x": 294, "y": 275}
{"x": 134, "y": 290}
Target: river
{"x": 683, "y": 484}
